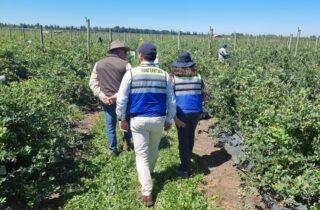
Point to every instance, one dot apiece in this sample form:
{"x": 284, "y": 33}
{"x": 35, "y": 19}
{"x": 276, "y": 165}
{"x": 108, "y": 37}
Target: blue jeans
{"x": 111, "y": 125}
{"x": 186, "y": 139}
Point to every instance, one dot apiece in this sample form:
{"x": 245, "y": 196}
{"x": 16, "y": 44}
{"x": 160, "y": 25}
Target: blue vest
{"x": 148, "y": 90}
{"x": 188, "y": 91}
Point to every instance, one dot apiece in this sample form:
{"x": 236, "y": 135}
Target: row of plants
{"x": 43, "y": 96}
{"x": 264, "y": 92}
{"x": 272, "y": 99}
{"x": 35, "y": 130}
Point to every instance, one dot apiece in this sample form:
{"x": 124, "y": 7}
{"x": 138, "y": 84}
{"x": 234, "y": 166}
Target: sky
{"x": 280, "y": 17}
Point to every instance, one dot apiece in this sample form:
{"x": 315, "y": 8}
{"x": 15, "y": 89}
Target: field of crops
{"x": 263, "y": 92}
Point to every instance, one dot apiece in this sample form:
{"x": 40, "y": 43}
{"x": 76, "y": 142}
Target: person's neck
{"x": 146, "y": 62}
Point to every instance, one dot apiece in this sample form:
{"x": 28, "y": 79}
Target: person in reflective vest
{"x": 146, "y": 92}
{"x": 190, "y": 91}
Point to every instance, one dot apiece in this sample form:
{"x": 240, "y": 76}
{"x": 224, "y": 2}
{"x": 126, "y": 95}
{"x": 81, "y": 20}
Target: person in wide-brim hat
{"x": 190, "y": 91}
{"x": 118, "y": 45}
{"x": 183, "y": 61}
{"x": 105, "y": 82}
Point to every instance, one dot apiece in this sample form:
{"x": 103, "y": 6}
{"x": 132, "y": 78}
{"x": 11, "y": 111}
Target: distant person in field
{"x": 222, "y": 53}
{"x": 105, "y": 82}
{"x": 190, "y": 92}
{"x": 100, "y": 41}
{"x": 146, "y": 92}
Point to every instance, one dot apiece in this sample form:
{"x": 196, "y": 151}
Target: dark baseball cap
{"x": 148, "y": 49}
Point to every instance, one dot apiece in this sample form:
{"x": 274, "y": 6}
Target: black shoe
{"x": 114, "y": 153}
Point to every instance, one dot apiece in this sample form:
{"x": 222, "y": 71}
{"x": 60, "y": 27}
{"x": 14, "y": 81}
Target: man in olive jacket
{"x": 105, "y": 82}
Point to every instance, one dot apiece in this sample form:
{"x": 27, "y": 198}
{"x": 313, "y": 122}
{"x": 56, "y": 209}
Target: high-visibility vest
{"x": 148, "y": 90}
{"x": 188, "y": 92}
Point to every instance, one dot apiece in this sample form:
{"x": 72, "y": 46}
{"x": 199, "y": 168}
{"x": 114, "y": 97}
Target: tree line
{"x": 99, "y": 29}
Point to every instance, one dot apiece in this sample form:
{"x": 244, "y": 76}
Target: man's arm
{"x": 123, "y": 96}
{"x": 128, "y": 67}
{"x": 94, "y": 84}
{"x": 171, "y": 101}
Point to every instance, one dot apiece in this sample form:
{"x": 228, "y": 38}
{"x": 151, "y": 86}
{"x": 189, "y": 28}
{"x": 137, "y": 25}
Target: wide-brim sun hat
{"x": 183, "y": 61}
{"x": 118, "y": 44}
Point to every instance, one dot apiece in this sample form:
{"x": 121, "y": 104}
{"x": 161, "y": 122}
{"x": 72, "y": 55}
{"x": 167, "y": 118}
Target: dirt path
{"x": 85, "y": 124}
{"x": 222, "y": 179}
{"x": 221, "y": 186}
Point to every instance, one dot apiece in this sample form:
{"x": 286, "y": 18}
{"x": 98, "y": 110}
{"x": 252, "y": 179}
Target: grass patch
{"x": 115, "y": 183}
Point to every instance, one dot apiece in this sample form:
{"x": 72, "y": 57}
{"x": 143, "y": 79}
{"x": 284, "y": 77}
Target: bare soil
{"x": 221, "y": 187}
{"x": 85, "y": 125}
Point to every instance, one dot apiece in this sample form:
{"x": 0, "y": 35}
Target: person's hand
{"x": 205, "y": 97}
{"x": 179, "y": 123}
{"x": 167, "y": 126}
{"x": 123, "y": 125}
{"x": 105, "y": 100}
{"x": 112, "y": 99}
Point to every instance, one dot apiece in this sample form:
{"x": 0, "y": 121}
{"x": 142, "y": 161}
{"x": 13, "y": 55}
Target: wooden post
{"x": 193, "y": 38}
{"x": 70, "y": 33}
{"x": 106, "y": 36}
{"x": 235, "y": 41}
{"x": 41, "y": 37}
{"x": 23, "y": 34}
{"x": 88, "y": 37}
{"x": 210, "y": 35}
{"x": 10, "y": 35}
{"x": 290, "y": 41}
{"x": 297, "y": 44}
{"x": 178, "y": 40}
{"x": 110, "y": 35}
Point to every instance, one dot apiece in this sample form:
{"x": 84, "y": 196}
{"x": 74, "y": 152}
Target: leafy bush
{"x": 13, "y": 68}
{"x": 35, "y": 129}
{"x": 273, "y": 100}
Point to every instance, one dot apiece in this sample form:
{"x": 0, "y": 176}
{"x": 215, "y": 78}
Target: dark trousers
{"x": 186, "y": 139}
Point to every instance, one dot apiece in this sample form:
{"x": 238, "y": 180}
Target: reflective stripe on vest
{"x": 147, "y": 92}
{"x": 188, "y": 91}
